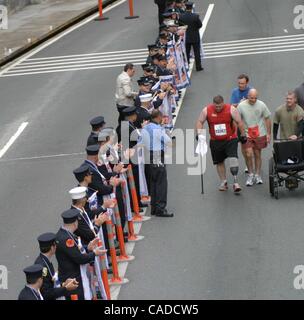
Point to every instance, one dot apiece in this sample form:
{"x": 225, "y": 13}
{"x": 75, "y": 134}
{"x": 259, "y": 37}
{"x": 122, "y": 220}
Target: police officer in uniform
{"x": 155, "y": 139}
{"x": 143, "y": 114}
{"x": 179, "y": 6}
{"x": 149, "y": 70}
{"x": 194, "y": 23}
{"x": 153, "y": 50}
{"x": 145, "y": 84}
{"x": 71, "y": 256}
{"x": 130, "y": 116}
{"x": 88, "y": 224}
{"x": 97, "y": 124}
{"x": 144, "y": 88}
{"x": 161, "y": 69}
{"x": 51, "y": 288}
{"x": 34, "y": 282}
{"x": 83, "y": 175}
{"x": 99, "y": 181}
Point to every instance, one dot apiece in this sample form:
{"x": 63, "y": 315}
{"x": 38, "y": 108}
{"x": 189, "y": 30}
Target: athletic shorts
{"x": 221, "y": 150}
{"x": 258, "y": 143}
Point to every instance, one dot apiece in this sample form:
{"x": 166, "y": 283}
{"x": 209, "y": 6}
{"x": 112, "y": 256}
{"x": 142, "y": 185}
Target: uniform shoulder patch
{"x": 44, "y": 272}
{"x": 70, "y": 243}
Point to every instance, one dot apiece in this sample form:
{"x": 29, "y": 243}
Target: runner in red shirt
{"x": 223, "y": 138}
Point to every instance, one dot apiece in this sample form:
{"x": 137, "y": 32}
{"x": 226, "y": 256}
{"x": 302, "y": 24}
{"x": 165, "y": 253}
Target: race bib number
{"x": 253, "y": 132}
{"x": 220, "y": 130}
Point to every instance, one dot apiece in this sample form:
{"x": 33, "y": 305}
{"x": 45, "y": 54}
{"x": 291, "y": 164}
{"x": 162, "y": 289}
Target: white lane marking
{"x": 105, "y": 60}
{"x": 206, "y": 19}
{"x": 45, "y": 157}
{"x": 53, "y": 61}
{"x": 90, "y": 54}
{"x": 209, "y": 52}
{"x": 61, "y": 35}
{"x": 84, "y": 64}
{"x": 74, "y": 63}
{"x": 255, "y": 44}
{"x": 252, "y": 53}
{"x": 254, "y": 49}
{"x": 258, "y": 39}
{"x": 71, "y": 60}
{"x": 12, "y": 74}
{"x": 13, "y": 139}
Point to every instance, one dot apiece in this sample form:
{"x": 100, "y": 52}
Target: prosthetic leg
{"x": 234, "y": 169}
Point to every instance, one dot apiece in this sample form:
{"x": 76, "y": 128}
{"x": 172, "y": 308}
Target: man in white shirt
{"x": 124, "y": 95}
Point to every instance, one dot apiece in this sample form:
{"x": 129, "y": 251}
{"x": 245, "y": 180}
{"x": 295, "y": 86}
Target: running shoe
{"x": 237, "y": 188}
{"x": 250, "y": 180}
{"x": 223, "y": 186}
{"x": 246, "y": 170}
{"x": 258, "y": 179}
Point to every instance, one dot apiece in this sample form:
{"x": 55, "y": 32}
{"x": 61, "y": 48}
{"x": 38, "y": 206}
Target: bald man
{"x": 256, "y": 117}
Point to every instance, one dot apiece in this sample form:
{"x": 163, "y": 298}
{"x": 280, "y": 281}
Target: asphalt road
{"x": 218, "y": 246}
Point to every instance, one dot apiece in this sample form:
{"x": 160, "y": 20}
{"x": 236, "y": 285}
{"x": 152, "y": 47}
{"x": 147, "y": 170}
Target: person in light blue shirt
{"x": 155, "y": 140}
{"x": 154, "y": 136}
{"x": 241, "y": 92}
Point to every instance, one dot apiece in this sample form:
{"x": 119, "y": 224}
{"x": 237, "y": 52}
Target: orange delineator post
{"x": 104, "y": 273}
{"x": 100, "y": 9}
{"x": 123, "y": 254}
{"x": 132, "y": 236}
{"x": 116, "y": 279}
{"x": 131, "y": 8}
{"x": 131, "y": 233}
{"x": 137, "y": 217}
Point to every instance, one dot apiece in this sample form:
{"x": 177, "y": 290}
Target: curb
{"x": 28, "y": 47}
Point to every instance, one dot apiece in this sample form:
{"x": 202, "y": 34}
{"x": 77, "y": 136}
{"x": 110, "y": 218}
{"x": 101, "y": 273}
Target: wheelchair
{"x": 286, "y": 166}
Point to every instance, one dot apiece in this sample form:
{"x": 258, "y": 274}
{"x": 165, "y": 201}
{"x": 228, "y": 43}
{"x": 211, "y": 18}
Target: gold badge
{"x": 44, "y": 272}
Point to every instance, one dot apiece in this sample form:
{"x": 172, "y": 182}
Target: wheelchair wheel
{"x": 271, "y": 176}
{"x": 276, "y": 187}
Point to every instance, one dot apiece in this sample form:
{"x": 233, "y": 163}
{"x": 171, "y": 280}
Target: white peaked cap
{"x": 171, "y": 23}
{"x": 78, "y": 193}
{"x": 145, "y": 97}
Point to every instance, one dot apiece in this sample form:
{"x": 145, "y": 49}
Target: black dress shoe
{"x": 164, "y": 214}
{"x": 143, "y": 205}
{"x": 200, "y": 69}
{"x": 141, "y": 210}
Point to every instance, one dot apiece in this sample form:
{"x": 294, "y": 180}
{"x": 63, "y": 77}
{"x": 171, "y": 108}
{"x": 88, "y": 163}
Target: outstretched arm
{"x": 201, "y": 121}
{"x": 238, "y": 120}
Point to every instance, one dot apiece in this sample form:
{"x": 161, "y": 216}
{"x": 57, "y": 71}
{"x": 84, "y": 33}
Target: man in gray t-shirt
{"x": 256, "y": 117}
{"x": 300, "y": 95}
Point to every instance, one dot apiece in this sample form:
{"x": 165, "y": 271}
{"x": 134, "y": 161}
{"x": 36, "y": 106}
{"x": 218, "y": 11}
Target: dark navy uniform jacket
{"x": 194, "y": 23}
{"x": 47, "y": 290}
{"x": 70, "y": 259}
{"x": 27, "y": 294}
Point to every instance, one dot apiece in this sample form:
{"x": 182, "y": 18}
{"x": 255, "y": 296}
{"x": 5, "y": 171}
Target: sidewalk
{"x": 37, "y": 20}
